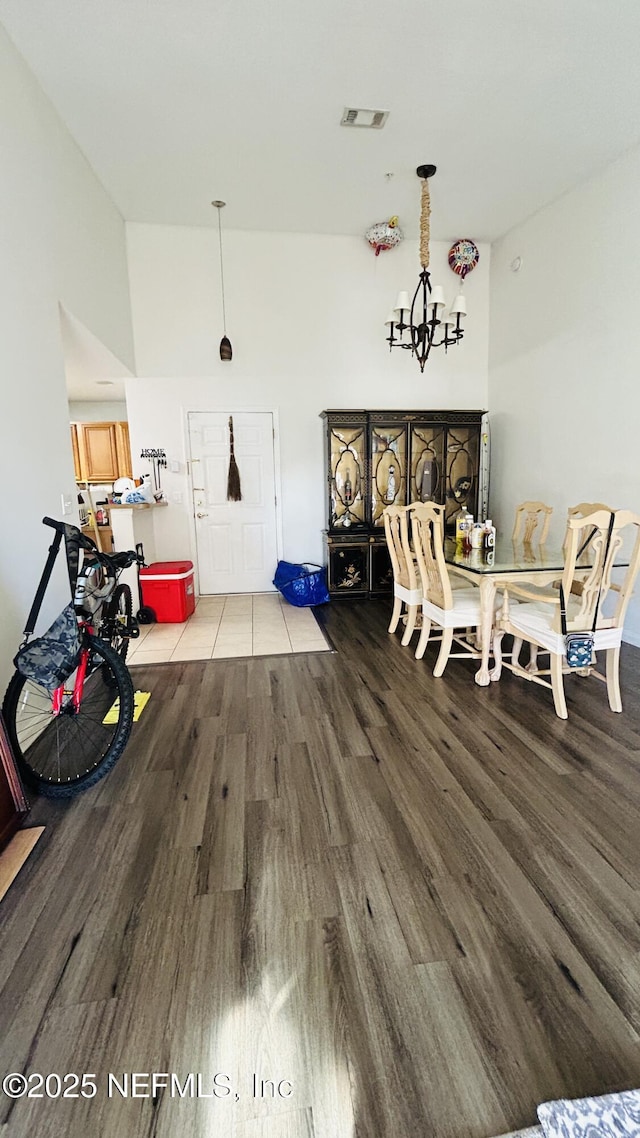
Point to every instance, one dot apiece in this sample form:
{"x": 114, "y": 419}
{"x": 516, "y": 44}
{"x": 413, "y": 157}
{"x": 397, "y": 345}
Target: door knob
{"x": 202, "y": 515}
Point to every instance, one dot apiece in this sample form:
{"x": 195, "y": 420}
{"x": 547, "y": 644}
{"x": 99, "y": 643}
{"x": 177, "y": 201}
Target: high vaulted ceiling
{"x": 177, "y": 102}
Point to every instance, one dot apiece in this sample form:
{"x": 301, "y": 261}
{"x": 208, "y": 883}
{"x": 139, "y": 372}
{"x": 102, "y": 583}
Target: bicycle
{"x": 66, "y": 739}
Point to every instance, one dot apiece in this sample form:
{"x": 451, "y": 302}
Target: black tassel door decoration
{"x": 234, "y": 493}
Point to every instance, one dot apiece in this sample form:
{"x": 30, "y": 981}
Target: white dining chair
{"x": 448, "y": 609}
{"x": 537, "y": 618}
{"x": 407, "y": 594}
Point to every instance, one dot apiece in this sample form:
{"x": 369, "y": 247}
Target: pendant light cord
{"x": 224, "y": 314}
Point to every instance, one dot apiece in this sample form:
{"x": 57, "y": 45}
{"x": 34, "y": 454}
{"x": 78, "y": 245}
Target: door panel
{"x": 236, "y": 541}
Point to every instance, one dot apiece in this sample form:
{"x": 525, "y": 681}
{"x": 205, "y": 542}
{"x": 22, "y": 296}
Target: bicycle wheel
{"x": 60, "y": 755}
{"x": 119, "y": 620}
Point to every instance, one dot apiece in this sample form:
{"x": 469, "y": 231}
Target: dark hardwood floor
{"x": 407, "y": 907}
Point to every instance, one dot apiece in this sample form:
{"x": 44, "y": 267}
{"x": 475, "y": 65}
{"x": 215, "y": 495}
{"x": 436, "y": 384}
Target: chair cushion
{"x": 535, "y": 620}
{"x": 464, "y": 613}
{"x": 409, "y": 596}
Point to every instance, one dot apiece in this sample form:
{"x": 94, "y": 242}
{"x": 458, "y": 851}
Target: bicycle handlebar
{"x": 59, "y": 526}
{"x": 112, "y": 560}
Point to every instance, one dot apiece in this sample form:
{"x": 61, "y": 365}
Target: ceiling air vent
{"x": 356, "y": 116}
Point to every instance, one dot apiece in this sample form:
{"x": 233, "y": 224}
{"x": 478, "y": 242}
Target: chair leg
{"x": 395, "y": 615}
{"x": 532, "y": 666}
{"x": 496, "y": 671}
{"x": 515, "y": 652}
{"x": 613, "y": 679}
{"x": 424, "y": 637}
{"x": 445, "y": 649}
{"x": 412, "y": 615}
{"x": 558, "y": 686}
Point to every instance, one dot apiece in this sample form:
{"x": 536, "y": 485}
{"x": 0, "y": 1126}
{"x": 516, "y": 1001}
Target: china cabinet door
{"x": 462, "y": 470}
{"x": 348, "y": 568}
{"x": 347, "y": 442}
{"x": 427, "y": 474}
{"x": 388, "y": 485}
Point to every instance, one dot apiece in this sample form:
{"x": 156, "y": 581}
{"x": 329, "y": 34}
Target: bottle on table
{"x": 489, "y": 536}
{"x": 477, "y": 536}
{"x": 464, "y": 524}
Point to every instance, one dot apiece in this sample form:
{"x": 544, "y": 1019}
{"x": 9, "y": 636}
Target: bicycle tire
{"x": 60, "y": 756}
{"x": 119, "y": 613}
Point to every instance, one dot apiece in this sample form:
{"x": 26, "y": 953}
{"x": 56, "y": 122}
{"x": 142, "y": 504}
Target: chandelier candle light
{"x": 226, "y": 350}
{"x": 422, "y": 324}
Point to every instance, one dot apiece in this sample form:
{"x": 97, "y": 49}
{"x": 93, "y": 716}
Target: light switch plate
{"x": 67, "y": 504}
{"x": 174, "y": 466}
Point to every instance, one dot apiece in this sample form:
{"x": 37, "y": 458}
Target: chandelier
{"x": 422, "y": 324}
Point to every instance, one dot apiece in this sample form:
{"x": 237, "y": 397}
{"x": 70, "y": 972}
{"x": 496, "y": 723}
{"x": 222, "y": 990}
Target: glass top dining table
{"x": 509, "y": 561}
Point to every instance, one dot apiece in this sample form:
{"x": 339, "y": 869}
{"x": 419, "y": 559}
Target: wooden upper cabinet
{"x": 75, "y": 446}
{"x": 101, "y": 451}
{"x": 123, "y": 450}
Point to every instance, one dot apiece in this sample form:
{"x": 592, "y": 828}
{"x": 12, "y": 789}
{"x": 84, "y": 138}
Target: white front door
{"x": 236, "y": 541}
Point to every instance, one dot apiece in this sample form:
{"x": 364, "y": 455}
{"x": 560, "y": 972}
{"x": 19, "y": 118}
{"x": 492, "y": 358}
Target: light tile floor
{"x": 260, "y": 624}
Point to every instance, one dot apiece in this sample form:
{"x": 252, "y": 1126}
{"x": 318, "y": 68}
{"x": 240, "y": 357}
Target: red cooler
{"x": 167, "y": 588}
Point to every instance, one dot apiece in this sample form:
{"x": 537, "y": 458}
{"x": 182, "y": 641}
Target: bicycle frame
{"x": 57, "y": 696}
{"x": 89, "y": 607}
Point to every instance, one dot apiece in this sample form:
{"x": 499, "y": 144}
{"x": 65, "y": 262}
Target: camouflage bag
{"x": 51, "y": 658}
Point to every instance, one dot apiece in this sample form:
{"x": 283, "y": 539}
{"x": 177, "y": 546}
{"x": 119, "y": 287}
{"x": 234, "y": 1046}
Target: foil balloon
{"x": 464, "y": 256}
{"x": 384, "y": 235}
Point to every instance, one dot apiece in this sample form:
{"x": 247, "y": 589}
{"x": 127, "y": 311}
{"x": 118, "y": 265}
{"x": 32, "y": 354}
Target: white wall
{"x": 564, "y": 390}
{"x": 305, "y": 315}
{"x": 62, "y": 240}
{"x": 97, "y": 411}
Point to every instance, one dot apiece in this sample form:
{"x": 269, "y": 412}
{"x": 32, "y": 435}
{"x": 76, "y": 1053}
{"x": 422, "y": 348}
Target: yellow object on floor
{"x": 15, "y": 854}
{"x": 140, "y": 700}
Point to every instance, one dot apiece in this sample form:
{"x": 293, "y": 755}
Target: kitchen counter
{"x": 137, "y": 505}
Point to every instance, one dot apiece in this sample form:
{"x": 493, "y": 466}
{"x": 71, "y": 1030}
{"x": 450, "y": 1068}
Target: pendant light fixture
{"x": 423, "y": 318}
{"x": 226, "y": 350}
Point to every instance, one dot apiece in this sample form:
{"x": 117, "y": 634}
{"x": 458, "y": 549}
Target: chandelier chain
{"x": 425, "y": 229}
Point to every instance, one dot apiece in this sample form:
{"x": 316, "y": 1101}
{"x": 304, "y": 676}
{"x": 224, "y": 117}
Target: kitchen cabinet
{"x": 101, "y": 451}
{"x": 378, "y": 458}
{"x": 106, "y": 536}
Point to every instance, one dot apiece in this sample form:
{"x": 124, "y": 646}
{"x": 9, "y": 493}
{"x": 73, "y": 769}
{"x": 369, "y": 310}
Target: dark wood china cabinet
{"x": 379, "y": 458}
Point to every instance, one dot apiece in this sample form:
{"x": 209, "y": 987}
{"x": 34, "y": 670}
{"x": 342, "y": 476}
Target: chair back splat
{"x": 396, "y": 530}
{"x": 587, "y": 537}
{"x": 407, "y": 594}
{"x": 530, "y": 515}
{"x": 428, "y": 535}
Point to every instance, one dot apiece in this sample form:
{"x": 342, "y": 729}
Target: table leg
{"x": 487, "y": 598}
